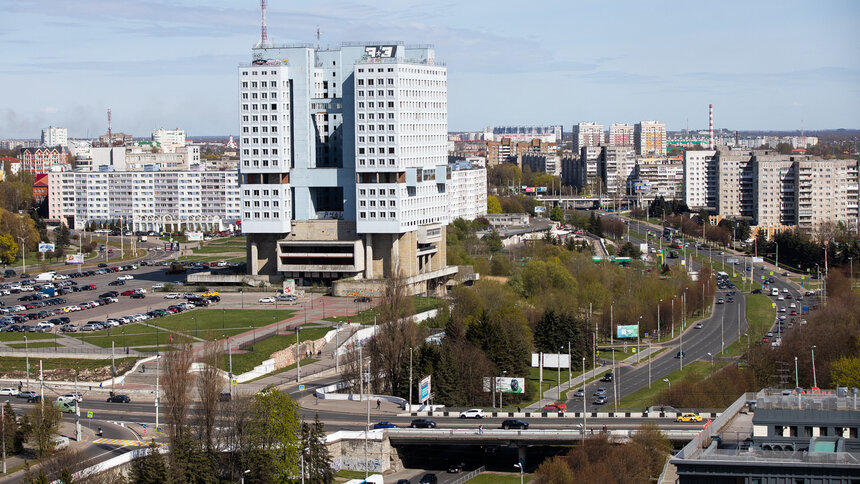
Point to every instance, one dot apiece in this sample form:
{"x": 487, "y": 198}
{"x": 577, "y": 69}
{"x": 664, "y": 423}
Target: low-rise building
{"x": 44, "y": 160}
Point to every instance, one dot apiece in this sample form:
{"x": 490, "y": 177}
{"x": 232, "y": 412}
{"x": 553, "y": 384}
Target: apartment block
{"x": 649, "y": 138}
{"x": 654, "y": 178}
{"x": 542, "y": 163}
{"x": 44, "y": 160}
{"x": 547, "y": 134}
{"x": 52, "y": 136}
{"x": 616, "y": 164}
{"x": 826, "y": 191}
{"x": 587, "y": 134}
{"x": 169, "y": 138}
{"x": 621, "y": 135}
{"x": 147, "y": 201}
{"x": 774, "y": 192}
{"x": 467, "y": 192}
{"x": 700, "y": 179}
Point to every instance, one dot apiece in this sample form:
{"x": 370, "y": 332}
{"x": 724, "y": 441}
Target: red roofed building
{"x": 43, "y": 160}
{"x": 40, "y": 188}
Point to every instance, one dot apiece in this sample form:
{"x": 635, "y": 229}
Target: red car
{"x": 794, "y": 313}
{"x": 556, "y": 407}
{"x": 89, "y": 287}
{"x": 128, "y": 293}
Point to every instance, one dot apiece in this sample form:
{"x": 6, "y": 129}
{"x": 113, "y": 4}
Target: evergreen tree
{"x": 316, "y": 456}
{"x": 149, "y": 469}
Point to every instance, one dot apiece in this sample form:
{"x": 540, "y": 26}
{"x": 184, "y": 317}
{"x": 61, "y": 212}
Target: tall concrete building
{"x": 621, "y": 135}
{"x": 52, "y": 136}
{"x": 344, "y": 165}
{"x": 587, "y": 134}
{"x": 616, "y": 164}
{"x": 700, "y": 179}
{"x": 649, "y": 138}
{"x": 169, "y": 138}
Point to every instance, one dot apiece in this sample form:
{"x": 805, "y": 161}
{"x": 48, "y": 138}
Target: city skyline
{"x": 171, "y": 64}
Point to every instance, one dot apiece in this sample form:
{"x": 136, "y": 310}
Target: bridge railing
{"x": 469, "y": 475}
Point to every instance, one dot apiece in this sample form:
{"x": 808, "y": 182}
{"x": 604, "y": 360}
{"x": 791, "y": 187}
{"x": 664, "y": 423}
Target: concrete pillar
{"x": 368, "y": 256}
{"x": 395, "y": 255}
{"x": 521, "y": 455}
{"x": 254, "y": 261}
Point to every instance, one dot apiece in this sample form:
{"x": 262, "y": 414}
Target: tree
{"x": 149, "y": 469}
{"x": 177, "y": 383}
{"x": 493, "y": 205}
{"x": 8, "y": 249}
{"x": 14, "y": 434}
{"x": 557, "y": 214}
{"x": 42, "y": 424}
{"x": 554, "y": 471}
{"x": 845, "y": 372}
{"x": 274, "y": 432}
{"x": 494, "y": 242}
{"x": 389, "y": 349}
{"x": 209, "y": 384}
{"x": 630, "y": 250}
{"x": 318, "y": 462}
{"x": 555, "y": 330}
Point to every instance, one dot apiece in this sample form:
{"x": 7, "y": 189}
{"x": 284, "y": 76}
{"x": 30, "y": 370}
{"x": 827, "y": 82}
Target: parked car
{"x": 173, "y": 295}
{"x": 286, "y": 297}
{"x": 116, "y": 283}
{"x": 423, "y": 423}
{"x": 472, "y": 413}
{"x": 27, "y": 394}
{"x": 8, "y": 391}
{"x": 138, "y": 295}
{"x": 268, "y": 300}
{"x": 514, "y": 423}
{"x": 119, "y": 399}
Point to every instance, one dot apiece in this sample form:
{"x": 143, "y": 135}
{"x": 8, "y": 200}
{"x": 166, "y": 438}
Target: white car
{"x": 173, "y": 295}
{"x": 785, "y": 290}
{"x": 472, "y": 413}
{"x": 8, "y": 391}
{"x": 780, "y": 298}
{"x": 125, "y": 277}
{"x": 157, "y": 286}
{"x": 268, "y": 300}
{"x": 792, "y": 306}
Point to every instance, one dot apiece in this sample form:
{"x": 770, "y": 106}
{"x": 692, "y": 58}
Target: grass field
{"x": 20, "y": 336}
{"x": 263, "y": 349}
{"x": 35, "y": 344}
{"x": 135, "y": 335}
{"x": 645, "y": 397}
{"x": 367, "y": 316}
{"x": 760, "y": 315}
{"x": 18, "y": 365}
{"x": 212, "y": 323}
{"x": 494, "y": 478}
{"x": 219, "y": 249}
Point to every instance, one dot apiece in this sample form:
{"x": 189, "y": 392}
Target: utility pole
{"x": 584, "y": 418}
{"x": 337, "y": 345}
{"x": 367, "y": 429}
{"x": 614, "y": 379}
{"x": 230, "y": 365}
{"x": 360, "y": 375}
{"x": 27, "y": 355}
{"x": 410, "y": 378}
{"x": 298, "y": 358}
{"x": 649, "y": 364}
{"x": 3, "y": 421}
{"x": 112, "y": 370}
{"x": 569, "y": 366}
{"x": 41, "y": 390}
{"x": 157, "y": 394}
{"x": 77, "y": 411}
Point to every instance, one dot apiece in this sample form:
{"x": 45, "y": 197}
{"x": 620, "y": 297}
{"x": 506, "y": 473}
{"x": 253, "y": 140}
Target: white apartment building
{"x": 52, "y": 136}
{"x": 621, "y": 135}
{"x": 169, "y": 138}
{"x": 147, "y": 201}
{"x": 344, "y": 164}
{"x": 142, "y": 156}
{"x": 700, "y": 179}
{"x": 467, "y": 190}
{"x": 826, "y": 191}
{"x": 649, "y": 138}
{"x": 657, "y": 178}
{"x": 616, "y": 164}
{"x": 587, "y": 134}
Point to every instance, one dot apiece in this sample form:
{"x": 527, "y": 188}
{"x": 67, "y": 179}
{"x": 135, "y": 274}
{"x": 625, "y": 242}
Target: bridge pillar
{"x": 521, "y": 454}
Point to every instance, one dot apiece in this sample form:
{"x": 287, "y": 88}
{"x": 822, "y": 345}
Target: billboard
{"x": 424, "y": 389}
{"x": 551, "y": 360}
{"x": 758, "y": 260}
{"x": 510, "y": 385}
{"x": 194, "y": 236}
{"x": 627, "y": 331}
{"x": 45, "y": 247}
{"x": 74, "y": 258}
{"x": 641, "y": 187}
{"x": 529, "y": 189}
{"x": 541, "y": 189}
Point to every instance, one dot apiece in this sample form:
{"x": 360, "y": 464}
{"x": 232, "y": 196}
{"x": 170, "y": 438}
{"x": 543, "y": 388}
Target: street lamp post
{"x": 518, "y": 466}
{"x": 658, "y": 318}
{"x": 27, "y": 354}
{"x": 796, "y": 379}
{"x": 667, "y": 381}
{"x": 712, "y": 362}
{"x": 23, "y": 254}
{"x": 814, "y": 379}
{"x": 584, "y": 418}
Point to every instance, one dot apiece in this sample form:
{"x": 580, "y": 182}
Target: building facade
{"x": 649, "y": 138}
{"x": 168, "y": 201}
{"x": 52, "y": 136}
{"x": 343, "y": 163}
{"x": 169, "y": 138}
{"x": 621, "y": 135}
{"x": 587, "y": 134}
{"x": 467, "y": 190}
{"x": 44, "y": 160}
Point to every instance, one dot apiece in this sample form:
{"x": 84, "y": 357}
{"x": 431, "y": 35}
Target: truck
{"x": 49, "y": 291}
{"x": 142, "y": 238}
{"x": 46, "y": 276}
{"x": 732, "y": 260}
{"x": 176, "y": 268}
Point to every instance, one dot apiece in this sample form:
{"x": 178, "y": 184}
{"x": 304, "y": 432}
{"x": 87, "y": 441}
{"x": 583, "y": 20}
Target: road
{"x": 723, "y": 327}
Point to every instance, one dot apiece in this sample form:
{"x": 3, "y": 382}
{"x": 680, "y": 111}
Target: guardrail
{"x": 469, "y": 475}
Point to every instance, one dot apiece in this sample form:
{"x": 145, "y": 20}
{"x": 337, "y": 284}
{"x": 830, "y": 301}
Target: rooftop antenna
{"x": 318, "y": 37}
{"x": 110, "y": 132}
{"x": 264, "y": 36}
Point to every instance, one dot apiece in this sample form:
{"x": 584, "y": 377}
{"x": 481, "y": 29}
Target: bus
{"x": 669, "y": 232}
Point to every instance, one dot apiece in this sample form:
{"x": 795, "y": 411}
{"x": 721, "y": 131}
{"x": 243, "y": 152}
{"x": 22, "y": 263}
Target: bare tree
{"x": 389, "y": 349}
{"x": 177, "y": 382}
{"x": 209, "y": 384}
{"x": 234, "y": 433}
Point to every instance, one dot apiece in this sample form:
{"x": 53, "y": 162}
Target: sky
{"x": 765, "y": 65}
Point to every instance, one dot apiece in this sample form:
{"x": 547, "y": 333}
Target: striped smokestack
{"x": 710, "y": 126}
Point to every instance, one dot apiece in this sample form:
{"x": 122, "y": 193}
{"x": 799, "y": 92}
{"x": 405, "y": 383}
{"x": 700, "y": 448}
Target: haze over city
{"x": 159, "y": 63}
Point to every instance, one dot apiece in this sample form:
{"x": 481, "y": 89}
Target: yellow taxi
{"x": 689, "y": 417}
{"x": 209, "y": 294}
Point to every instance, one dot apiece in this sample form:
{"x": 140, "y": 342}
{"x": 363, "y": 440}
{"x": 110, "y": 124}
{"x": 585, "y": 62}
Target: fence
{"x": 87, "y": 352}
{"x": 469, "y": 475}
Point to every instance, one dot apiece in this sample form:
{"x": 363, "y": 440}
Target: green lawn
{"x": 644, "y": 397}
{"x": 348, "y": 474}
{"x": 367, "y": 316}
{"x": 305, "y": 362}
{"x": 212, "y": 323}
{"x": 18, "y": 365}
{"x": 760, "y": 314}
{"x": 219, "y": 249}
{"x": 264, "y": 348}
{"x": 20, "y": 336}
{"x": 138, "y": 334}
{"x": 493, "y": 478}
{"x": 35, "y": 344}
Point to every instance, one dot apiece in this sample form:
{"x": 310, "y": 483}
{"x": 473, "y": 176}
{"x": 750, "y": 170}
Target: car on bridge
{"x": 472, "y": 413}
{"x": 423, "y": 423}
{"x": 119, "y": 399}
{"x": 514, "y": 423}
{"x": 384, "y": 425}
{"x": 689, "y": 417}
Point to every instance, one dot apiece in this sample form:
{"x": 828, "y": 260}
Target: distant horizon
{"x": 174, "y": 63}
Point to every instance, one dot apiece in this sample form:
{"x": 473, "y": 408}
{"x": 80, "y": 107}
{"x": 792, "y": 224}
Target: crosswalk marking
{"x": 125, "y": 442}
